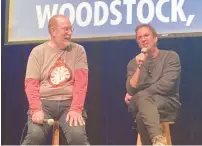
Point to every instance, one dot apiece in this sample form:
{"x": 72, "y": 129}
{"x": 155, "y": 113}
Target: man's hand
{"x": 38, "y": 117}
{"x": 127, "y": 98}
{"x": 74, "y": 117}
{"x": 141, "y": 58}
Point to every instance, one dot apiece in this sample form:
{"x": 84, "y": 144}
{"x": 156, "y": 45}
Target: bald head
{"x": 60, "y": 29}
{"x": 57, "y": 20}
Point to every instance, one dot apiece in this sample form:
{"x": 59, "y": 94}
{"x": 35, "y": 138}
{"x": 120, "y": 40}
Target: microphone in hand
{"x": 50, "y": 122}
{"x": 141, "y": 57}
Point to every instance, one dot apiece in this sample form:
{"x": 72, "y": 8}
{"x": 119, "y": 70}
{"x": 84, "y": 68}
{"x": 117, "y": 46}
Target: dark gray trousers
{"x": 148, "y": 111}
{"x": 57, "y": 110}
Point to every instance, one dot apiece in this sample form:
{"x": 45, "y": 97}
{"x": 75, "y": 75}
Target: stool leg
{"x": 166, "y": 132}
{"x": 55, "y": 140}
{"x": 139, "y": 140}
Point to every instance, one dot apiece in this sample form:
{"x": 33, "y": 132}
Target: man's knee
{"x": 77, "y": 136}
{"x": 35, "y": 136}
{"x": 37, "y": 133}
{"x": 143, "y": 99}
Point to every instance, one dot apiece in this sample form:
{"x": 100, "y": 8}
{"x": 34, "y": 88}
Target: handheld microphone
{"x": 144, "y": 51}
{"x": 49, "y": 121}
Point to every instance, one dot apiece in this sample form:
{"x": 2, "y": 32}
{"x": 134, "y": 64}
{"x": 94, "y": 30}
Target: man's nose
{"x": 144, "y": 40}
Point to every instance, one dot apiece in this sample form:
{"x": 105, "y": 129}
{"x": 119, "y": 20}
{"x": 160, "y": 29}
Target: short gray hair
{"x": 148, "y": 26}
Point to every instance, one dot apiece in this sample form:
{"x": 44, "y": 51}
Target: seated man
{"x": 152, "y": 84}
{"x": 56, "y": 83}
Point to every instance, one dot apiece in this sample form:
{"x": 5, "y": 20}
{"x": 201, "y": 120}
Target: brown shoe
{"x": 159, "y": 140}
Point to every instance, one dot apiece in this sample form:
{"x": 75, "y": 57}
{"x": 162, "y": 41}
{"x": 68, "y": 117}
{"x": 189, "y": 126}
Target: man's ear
{"x": 52, "y": 31}
{"x": 156, "y": 39}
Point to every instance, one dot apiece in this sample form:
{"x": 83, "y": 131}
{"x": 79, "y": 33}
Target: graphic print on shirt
{"x": 59, "y": 74}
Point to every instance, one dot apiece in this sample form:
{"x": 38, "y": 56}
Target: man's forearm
{"x": 79, "y": 90}
{"x": 33, "y": 95}
{"x": 135, "y": 78}
{"x": 132, "y": 82}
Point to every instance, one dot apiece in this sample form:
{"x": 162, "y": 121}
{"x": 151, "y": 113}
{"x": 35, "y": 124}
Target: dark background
{"x": 108, "y": 119}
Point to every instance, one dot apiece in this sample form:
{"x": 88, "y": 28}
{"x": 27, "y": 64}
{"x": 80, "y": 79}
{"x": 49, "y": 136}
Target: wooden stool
{"x": 165, "y": 131}
{"x": 55, "y": 139}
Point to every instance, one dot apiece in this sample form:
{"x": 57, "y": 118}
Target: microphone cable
{"x": 22, "y": 135}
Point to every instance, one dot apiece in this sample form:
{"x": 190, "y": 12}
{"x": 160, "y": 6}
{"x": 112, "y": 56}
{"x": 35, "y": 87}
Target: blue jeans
{"x": 57, "y": 110}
